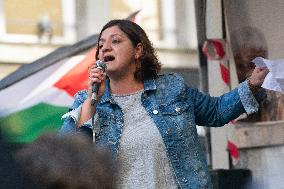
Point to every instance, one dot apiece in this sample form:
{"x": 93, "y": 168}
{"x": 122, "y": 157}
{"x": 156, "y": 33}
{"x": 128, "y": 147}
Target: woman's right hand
{"x": 96, "y": 77}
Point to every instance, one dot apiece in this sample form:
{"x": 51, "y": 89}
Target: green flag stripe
{"x": 26, "y": 125}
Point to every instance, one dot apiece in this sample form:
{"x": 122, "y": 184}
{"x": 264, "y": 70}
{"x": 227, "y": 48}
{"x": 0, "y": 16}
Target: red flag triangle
{"x": 77, "y": 78}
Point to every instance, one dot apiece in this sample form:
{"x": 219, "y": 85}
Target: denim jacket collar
{"x": 150, "y": 85}
{"x": 106, "y": 96}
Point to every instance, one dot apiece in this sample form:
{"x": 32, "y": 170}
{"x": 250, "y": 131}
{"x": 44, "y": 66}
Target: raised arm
{"x": 217, "y": 111}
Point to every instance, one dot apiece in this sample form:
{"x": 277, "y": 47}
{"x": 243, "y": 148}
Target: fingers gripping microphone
{"x": 102, "y": 66}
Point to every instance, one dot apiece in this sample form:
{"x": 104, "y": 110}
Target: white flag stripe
{"x": 39, "y": 88}
{"x": 13, "y": 94}
{"x": 52, "y": 96}
{"x": 53, "y": 78}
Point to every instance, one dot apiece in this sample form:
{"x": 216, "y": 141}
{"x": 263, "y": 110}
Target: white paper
{"x": 274, "y": 80}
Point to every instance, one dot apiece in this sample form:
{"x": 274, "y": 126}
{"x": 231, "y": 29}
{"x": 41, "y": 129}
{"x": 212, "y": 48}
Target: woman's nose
{"x": 106, "y": 47}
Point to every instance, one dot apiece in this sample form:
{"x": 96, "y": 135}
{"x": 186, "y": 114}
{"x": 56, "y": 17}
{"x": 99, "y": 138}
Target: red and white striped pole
{"x": 215, "y": 49}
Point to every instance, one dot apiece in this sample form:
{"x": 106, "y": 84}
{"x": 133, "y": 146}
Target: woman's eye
{"x": 100, "y": 46}
{"x": 115, "y": 41}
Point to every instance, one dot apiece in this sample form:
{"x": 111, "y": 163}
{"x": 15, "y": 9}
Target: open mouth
{"x": 108, "y": 58}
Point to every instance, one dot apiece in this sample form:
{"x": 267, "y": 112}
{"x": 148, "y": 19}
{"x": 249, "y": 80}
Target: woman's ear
{"x": 138, "y": 50}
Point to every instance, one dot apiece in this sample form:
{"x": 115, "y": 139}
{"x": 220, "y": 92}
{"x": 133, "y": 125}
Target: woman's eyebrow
{"x": 113, "y": 35}
{"x": 116, "y": 34}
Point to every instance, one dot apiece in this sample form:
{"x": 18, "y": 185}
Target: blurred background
{"x": 30, "y": 29}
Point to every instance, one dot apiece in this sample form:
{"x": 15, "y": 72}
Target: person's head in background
{"x": 12, "y": 176}
{"x": 125, "y": 48}
{"x": 247, "y": 43}
{"x": 67, "y": 161}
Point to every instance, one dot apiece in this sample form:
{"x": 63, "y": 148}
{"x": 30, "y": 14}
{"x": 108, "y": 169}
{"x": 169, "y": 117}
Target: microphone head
{"x": 101, "y": 65}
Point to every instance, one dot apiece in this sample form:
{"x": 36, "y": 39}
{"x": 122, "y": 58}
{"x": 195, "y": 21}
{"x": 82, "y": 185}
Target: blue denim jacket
{"x": 176, "y": 110}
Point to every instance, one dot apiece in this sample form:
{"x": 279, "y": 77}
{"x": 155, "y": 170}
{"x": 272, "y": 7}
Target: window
{"x": 22, "y": 20}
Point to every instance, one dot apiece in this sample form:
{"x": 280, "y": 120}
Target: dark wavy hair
{"x": 150, "y": 65}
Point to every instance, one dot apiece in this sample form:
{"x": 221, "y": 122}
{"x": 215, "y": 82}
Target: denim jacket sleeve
{"x": 71, "y": 118}
{"x": 217, "y": 111}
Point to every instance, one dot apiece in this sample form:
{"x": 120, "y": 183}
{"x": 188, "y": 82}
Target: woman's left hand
{"x": 257, "y": 77}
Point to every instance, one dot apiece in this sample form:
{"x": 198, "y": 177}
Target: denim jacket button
{"x": 184, "y": 179}
{"x": 178, "y": 109}
{"x": 155, "y": 112}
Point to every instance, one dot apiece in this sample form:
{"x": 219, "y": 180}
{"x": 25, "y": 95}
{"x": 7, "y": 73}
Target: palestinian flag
{"x": 35, "y": 104}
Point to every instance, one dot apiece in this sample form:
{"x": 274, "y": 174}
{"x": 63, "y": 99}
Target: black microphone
{"x": 102, "y": 66}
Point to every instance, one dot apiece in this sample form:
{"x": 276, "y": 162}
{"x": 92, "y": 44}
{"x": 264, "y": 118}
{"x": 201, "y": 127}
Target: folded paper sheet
{"x": 275, "y": 78}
